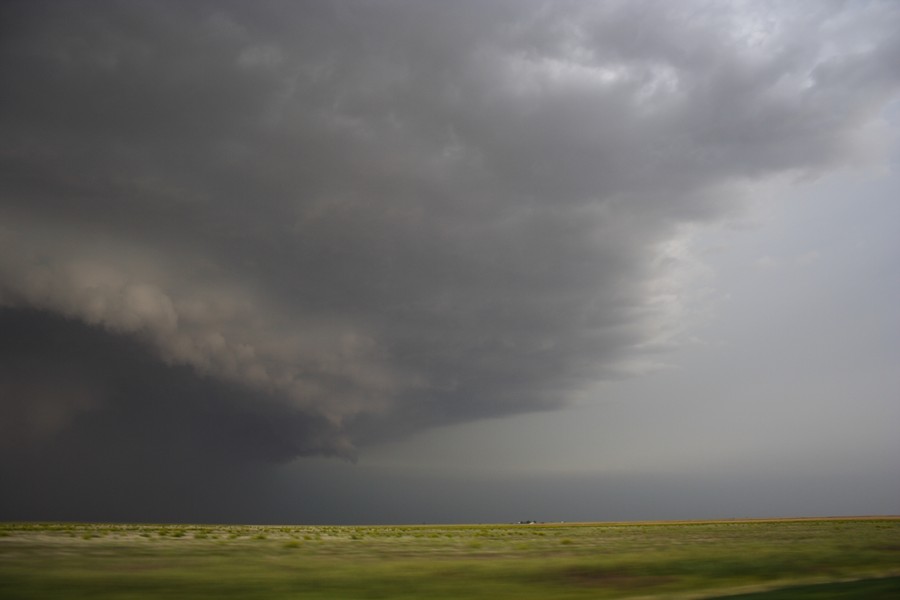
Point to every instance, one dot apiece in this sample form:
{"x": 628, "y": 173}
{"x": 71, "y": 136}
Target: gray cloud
{"x": 356, "y": 220}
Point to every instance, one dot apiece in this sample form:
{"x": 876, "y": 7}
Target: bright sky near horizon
{"x": 415, "y": 261}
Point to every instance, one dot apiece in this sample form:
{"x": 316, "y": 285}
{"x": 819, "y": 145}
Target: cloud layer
{"x": 335, "y": 223}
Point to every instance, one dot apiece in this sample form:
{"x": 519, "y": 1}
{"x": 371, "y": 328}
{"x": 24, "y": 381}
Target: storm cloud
{"x": 270, "y": 230}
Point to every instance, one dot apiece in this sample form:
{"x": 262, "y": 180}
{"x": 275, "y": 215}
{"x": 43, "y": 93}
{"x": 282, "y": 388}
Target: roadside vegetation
{"x": 602, "y": 560}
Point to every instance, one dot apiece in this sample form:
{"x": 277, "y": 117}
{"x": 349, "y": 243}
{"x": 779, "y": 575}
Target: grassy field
{"x": 836, "y": 558}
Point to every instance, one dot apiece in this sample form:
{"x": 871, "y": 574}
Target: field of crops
{"x": 611, "y": 560}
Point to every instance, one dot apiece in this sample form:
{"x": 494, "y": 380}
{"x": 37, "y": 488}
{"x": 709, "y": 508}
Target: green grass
{"x": 671, "y": 560}
{"x": 886, "y": 588}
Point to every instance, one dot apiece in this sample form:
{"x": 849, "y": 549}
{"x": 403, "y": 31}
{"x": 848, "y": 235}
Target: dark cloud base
{"x": 153, "y": 437}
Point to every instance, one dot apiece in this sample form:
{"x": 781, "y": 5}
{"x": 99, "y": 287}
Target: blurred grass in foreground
{"x": 611, "y": 560}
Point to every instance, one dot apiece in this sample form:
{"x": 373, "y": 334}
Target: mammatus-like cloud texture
{"x": 319, "y": 225}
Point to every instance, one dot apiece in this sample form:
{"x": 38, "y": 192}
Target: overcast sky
{"x": 404, "y": 261}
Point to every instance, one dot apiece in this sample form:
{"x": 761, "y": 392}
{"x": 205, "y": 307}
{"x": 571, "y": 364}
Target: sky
{"x": 421, "y": 261}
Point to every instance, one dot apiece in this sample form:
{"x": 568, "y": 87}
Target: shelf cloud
{"x": 269, "y": 230}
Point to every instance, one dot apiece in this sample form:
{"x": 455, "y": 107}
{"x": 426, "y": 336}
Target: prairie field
{"x": 764, "y": 559}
